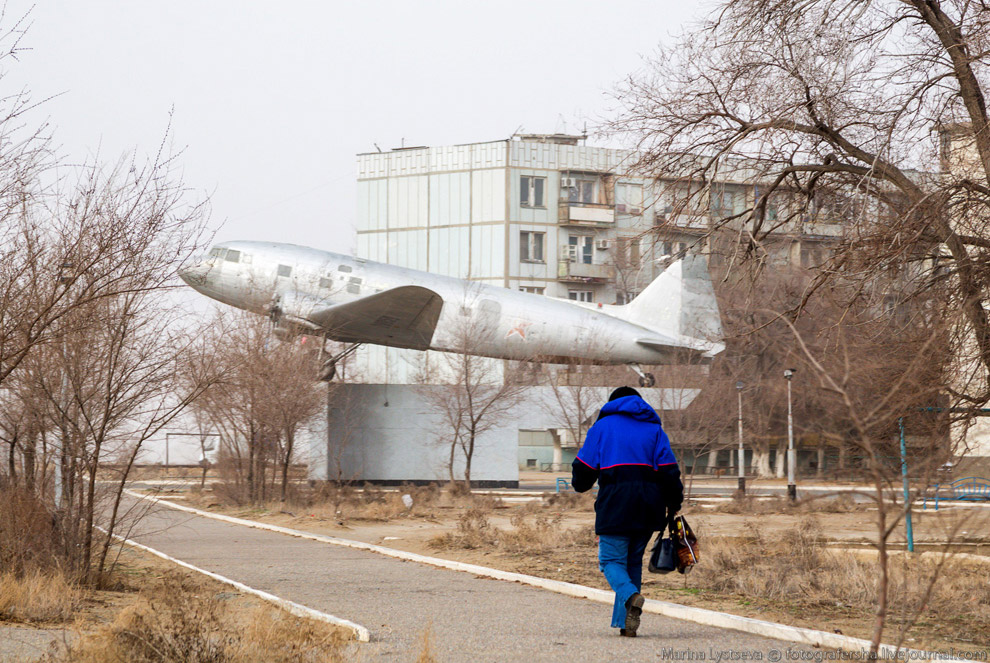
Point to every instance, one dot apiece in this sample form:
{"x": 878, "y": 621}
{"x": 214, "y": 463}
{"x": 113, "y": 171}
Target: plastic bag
{"x": 685, "y": 544}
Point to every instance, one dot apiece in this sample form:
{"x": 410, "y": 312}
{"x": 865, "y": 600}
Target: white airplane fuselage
{"x": 309, "y": 287}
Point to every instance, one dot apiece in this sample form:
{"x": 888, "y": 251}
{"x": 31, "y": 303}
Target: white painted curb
{"x": 361, "y": 633}
{"x": 767, "y": 629}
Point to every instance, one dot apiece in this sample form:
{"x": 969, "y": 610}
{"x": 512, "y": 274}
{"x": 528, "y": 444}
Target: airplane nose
{"x": 195, "y": 274}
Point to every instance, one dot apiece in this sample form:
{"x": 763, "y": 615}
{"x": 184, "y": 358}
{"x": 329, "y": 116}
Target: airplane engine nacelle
{"x": 290, "y": 312}
{"x": 284, "y": 332}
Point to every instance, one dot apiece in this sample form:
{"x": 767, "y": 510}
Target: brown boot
{"x": 634, "y": 608}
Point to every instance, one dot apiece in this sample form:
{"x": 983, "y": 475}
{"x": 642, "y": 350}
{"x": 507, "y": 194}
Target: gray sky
{"x": 273, "y": 100}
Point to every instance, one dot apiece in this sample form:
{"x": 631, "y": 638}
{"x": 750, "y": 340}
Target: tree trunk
{"x": 289, "y": 442}
{"x": 781, "y": 464}
{"x": 29, "y": 452}
{"x": 467, "y": 461}
{"x": 450, "y": 462}
{"x": 821, "y": 459}
{"x": 761, "y": 461}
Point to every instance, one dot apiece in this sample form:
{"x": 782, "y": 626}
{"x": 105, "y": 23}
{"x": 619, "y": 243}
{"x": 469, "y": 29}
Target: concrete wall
{"x": 388, "y": 434}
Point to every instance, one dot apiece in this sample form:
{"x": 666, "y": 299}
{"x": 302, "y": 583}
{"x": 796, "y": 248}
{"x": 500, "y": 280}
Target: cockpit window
{"x": 233, "y": 255}
{"x": 284, "y": 270}
{"x": 216, "y": 252}
{"x": 344, "y": 268}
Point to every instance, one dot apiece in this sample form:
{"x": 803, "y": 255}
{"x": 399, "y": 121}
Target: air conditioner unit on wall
{"x": 570, "y": 253}
{"x": 620, "y": 208}
{"x": 568, "y": 182}
{"x": 635, "y": 210}
{"x": 602, "y": 244}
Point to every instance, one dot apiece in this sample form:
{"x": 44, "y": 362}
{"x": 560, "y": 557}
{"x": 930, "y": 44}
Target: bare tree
{"x": 268, "y": 395}
{"x": 470, "y": 395}
{"x": 839, "y": 112}
{"x": 576, "y": 394}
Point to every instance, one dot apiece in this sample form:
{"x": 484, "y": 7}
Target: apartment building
{"x": 545, "y": 214}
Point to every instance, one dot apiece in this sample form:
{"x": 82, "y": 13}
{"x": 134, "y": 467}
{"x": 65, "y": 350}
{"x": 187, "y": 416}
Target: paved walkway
{"x": 470, "y": 618}
{"x": 19, "y": 644}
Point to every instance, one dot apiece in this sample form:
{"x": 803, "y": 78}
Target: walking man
{"x": 639, "y": 491}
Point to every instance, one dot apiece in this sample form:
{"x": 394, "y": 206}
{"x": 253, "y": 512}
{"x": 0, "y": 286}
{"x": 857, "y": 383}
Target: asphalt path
{"x": 468, "y": 618}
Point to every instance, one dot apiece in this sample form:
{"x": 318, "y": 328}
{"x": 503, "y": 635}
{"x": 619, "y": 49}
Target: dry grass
{"x": 29, "y": 541}
{"x": 426, "y": 647}
{"x": 749, "y": 505}
{"x": 540, "y": 533}
{"x": 175, "y": 620}
{"x": 340, "y": 504}
{"x": 37, "y": 597}
{"x": 800, "y": 572}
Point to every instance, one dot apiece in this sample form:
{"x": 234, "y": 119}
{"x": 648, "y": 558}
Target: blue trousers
{"x": 620, "y": 558}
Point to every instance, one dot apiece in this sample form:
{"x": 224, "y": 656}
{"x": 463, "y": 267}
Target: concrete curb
{"x": 933, "y": 555}
{"x": 703, "y": 616}
{"x": 360, "y": 633}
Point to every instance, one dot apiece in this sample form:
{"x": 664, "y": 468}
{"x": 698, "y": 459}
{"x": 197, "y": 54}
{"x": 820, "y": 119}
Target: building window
{"x": 672, "y": 248}
{"x": 625, "y": 297}
{"x": 583, "y": 248}
{"x": 532, "y": 289}
{"x": 581, "y": 191}
{"x": 531, "y": 191}
{"x": 723, "y": 201}
{"x": 629, "y": 198}
{"x": 284, "y": 270}
{"x": 531, "y": 246}
{"x": 581, "y": 295}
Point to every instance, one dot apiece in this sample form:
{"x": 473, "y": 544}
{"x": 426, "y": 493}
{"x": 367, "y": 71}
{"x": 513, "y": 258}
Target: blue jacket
{"x": 628, "y": 453}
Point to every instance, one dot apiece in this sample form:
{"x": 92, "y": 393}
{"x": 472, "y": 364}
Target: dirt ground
{"x": 854, "y": 526}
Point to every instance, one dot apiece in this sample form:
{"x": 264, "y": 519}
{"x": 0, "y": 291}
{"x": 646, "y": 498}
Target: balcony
{"x": 696, "y": 221}
{"x": 580, "y": 272}
{"x": 821, "y": 229}
{"x": 587, "y": 215}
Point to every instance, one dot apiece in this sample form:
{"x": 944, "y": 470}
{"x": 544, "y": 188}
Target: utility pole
{"x": 741, "y": 457}
{"x": 791, "y": 460}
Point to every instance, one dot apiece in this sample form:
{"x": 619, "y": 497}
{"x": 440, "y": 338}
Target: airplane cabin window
{"x": 354, "y": 286}
{"x": 215, "y": 252}
{"x": 284, "y": 270}
{"x": 246, "y": 258}
{"x": 344, "y": 268}
{"x": 326, "y": 283}
{"x": 233, "y": 256}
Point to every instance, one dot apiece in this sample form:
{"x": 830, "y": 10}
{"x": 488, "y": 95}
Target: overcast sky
{"x": 272, "y": 101}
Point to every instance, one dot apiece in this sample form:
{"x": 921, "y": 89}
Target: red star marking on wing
{"x": 519, "y": 329}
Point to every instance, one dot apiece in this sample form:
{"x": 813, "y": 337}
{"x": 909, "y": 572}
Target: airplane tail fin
{"x": 680, "y": 303}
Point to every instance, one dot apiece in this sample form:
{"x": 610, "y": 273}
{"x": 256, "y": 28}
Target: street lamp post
{"x": 65, "y": 280}
{"x": 791, "y": 459}
{"x": 741, "y": 457}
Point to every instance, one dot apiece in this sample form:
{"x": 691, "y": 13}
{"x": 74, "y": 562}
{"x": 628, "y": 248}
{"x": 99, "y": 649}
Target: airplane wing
{"x": 403, "y": 317}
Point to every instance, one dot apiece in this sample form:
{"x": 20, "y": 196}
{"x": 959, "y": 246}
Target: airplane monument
{"x": 350, "y": 300}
